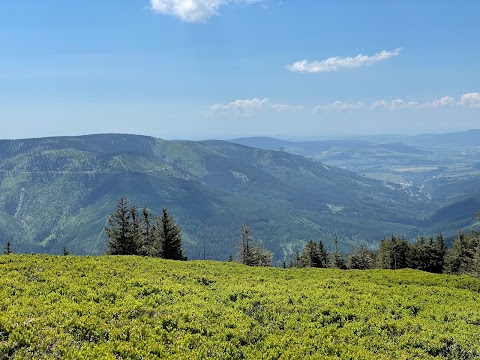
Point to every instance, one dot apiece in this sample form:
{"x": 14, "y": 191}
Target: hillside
{"x": 134, "y": 308}
{"x": 440, "y": 170}
{"x": 57, "y": 192}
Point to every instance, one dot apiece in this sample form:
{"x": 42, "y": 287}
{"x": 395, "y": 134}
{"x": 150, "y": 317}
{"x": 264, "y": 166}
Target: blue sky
{"x": 196, "y": 69}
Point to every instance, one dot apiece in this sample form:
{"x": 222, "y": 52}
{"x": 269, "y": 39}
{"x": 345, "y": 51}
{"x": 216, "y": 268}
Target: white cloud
{"x": 241, "y": 106}
{"x": 250, "y": 107}
{"x": 443, "y": 102}
{"x": 471, "y": 100}
{"x": 339, "y": 106}
{"x": 339, "y": 63}
{"x": 397, "y": 104}
{"x": 193, "y": 11}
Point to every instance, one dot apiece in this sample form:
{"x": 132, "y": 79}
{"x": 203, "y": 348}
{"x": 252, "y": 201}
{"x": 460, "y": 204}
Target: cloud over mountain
{"x": 251, "y": 106}
{"x": 470, "y": 100}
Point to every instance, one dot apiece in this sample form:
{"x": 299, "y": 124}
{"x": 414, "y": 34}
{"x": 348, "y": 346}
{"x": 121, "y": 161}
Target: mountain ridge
{"x": 58, "y": 192}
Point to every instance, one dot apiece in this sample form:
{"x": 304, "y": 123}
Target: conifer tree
{"x": 120, "y": 231}
{"x": 314, "y": 255}
{"x": 7, "y": 249}
{"x": 171, "y": 237}
{"x": 461, "y": 257}
{"x": 322, "y": 255}
{"x": 246, "y": 256}
{"x": 253, "y": 255}
{"x": 310, "y": 256}
{"x": 136, "y": 229}
{"x": 438, "y": 252}
{"x": 362, "y": 259}
{"x": 393, "y": 253}
{"x": 338, "y": 260}
{"x": 151, "y": 242}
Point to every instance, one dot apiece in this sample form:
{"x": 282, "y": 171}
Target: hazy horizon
{"x": 285, "y": 137}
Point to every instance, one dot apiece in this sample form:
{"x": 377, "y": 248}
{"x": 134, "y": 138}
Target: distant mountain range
{"x": 57, "y": 192}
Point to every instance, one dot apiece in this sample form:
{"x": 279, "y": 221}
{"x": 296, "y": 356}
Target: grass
{"x": 142, "y": 308}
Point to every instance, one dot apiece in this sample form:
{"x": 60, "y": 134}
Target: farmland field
{"x": 142, "y": 308}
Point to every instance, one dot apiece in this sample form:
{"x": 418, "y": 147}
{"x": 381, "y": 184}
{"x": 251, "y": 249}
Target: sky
{"x": 202, "y": 69}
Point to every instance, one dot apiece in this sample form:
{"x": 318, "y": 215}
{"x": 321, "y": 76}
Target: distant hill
{"x": 460, "y": 138}
{"x": 402, "y": 148}
{"x": 57, "y": 192}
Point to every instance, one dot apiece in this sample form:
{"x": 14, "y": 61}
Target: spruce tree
{"x": 322, "y": 255}
{"x": 120, "y": 231}
{"x": 314, "y": 255}
{"x": 151, "y": 242}
{"x": 253, "y": 254}
{"x": 310, "y": 256}
{"x": 361, "y": 259}
{"x": 171, "y": 237}
{"x": 136, "y": 229}
{"x": 7, "y": 249}
{"x": 393, "y": 253}
{"x": 245, "y": 253}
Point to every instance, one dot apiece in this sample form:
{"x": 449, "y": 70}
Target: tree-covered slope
{"x": 57, "y": 192}
{"x": 143, "y": 308}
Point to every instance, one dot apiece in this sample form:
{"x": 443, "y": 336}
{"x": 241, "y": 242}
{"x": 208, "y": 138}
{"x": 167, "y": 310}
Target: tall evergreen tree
{"x": 337, "y": 260}
{"x": 245, "y": 253}
{"x": 136, "y": 228}
{"x": 393, "y": 253}
{"x": 120, "y": 231}
{"x": 7, "y": 249}
{"x": 438, "y": 252}
{"x": 458, "y": 258}
{"x": 314, "y": 255}
{"x": 463, "y": 255}
{"x": 309, "y": 257}
{"x": 171, "y": 237}
{"x": 253, "y": 254}
{"x": 151, "y": 241}
{"x": 322, "y": 254}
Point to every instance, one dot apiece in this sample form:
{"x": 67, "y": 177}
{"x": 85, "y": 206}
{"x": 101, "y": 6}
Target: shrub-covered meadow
{"x": 142, "y": 308}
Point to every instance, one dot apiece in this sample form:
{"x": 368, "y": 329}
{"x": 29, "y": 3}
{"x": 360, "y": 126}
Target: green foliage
{"x": 464, "y": 255}
{"x": 171, "y": 237}
{"x": 71, "y": 307}
{"x": 128, "y": 234}
{"x": 314, "y": 255}
{"x": 428, "y": 255}
{"x": 361, "y": 259}
{"x": 253, "y": 254}
{"x": 122, "y": 230}
{"x": 57, "y": 192}
{"x": 393, "y": 253}
{"x": 7, "y": 250}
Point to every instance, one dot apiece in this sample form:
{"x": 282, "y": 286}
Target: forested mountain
{"x": 441, "y": 170}
{"x": 58, "y": 192}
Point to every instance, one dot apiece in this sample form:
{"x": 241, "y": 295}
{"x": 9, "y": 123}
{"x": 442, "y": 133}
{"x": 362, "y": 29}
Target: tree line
{"x": 427, "y": 254}
{"x": 130, "y": 232}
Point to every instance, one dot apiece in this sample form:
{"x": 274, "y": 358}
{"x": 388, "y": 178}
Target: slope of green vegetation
{"x": 57, "y": 192}
{"x": 143, "y": 308}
